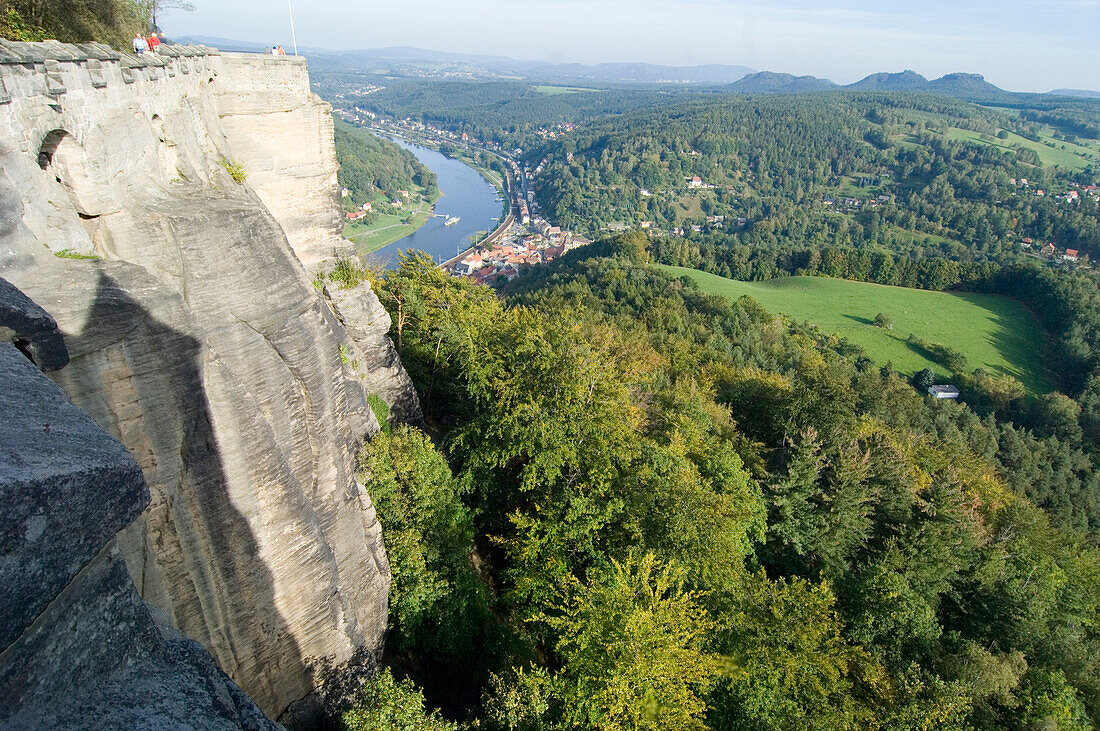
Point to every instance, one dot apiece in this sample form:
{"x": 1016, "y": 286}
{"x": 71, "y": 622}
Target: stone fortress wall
{"x": 198, "y": 340}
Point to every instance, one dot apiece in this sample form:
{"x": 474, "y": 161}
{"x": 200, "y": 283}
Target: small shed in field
{"x": 943, "y": 391}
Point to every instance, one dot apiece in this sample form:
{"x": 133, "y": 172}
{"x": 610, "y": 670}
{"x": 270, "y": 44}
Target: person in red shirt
{"x": 153, "y": 42}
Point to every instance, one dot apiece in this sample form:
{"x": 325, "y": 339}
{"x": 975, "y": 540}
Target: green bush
{"x": 349, "y": 271}
{"x": 235, "y": 170}
{"x": 387, "y": 703}
{"x": 951, "y": 358}
{"x": 923, "y": 379}
{"x": 381, "y": 411}
{"x": 13, "y": 27}
{"x": 70, "y": 254}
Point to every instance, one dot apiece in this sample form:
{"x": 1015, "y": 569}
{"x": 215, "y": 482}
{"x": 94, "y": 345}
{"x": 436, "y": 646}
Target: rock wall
{"x": 282, "y": 135}
{"x": 373, "y": 355}
{"x": 198, "y": 341}
{"x": 78, "y": 647}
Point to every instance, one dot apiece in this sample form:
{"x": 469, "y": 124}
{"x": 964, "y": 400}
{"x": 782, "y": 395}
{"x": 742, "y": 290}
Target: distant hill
{"x": 769, "y": 82}
{"x": 903, "y": 81}
{"x": 957, "y": 84}
{"x": 971, "y": 87}
{"x": 1083, "y": 93}
{"x": 644, "y": 73}
{"x": 223, "y": 44}
{"x": 422, "y": 63}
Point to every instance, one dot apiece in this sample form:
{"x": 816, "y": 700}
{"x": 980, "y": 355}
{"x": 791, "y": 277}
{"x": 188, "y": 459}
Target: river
{"x": 465, "y": 194}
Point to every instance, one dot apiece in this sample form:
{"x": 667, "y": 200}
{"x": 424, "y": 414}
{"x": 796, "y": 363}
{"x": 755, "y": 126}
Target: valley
{"x": 418, "y": 389}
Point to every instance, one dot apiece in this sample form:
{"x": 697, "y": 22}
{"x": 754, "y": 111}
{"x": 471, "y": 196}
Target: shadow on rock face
{"x": 197, "y": 556}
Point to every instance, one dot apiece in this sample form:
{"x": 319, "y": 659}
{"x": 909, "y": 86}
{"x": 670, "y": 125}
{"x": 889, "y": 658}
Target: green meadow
{"x": 995, "y": 333}
{"x": 1073, "y": 157}
{"x": 386, "y": 228}
{"x": 551, "y": 90}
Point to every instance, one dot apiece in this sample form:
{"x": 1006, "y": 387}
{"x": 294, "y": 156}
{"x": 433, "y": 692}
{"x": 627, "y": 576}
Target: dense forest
{"x": 370, "y": 165}
{"x": 647, "y": 507}
{"x": 651, "y": 508}
{"x": 894, "y": 172}
{"x": 506, "y": 112}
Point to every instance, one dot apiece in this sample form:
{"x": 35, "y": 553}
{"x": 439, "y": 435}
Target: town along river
{"x": 465, "y": 194}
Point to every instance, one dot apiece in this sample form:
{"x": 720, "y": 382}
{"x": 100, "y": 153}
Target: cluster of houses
{"x": 511, "y": 257}
{"x": 549, "y": 133}
{"x": 1049, "y": 250}
{"x": 1076, "y": 194}
{"x": 855, "y": 204}
{"x": 363, "y": 210}
{"x": 362, "y": 90}
{"x": 713, "y": 223}
{"x": 1080, "y": 195}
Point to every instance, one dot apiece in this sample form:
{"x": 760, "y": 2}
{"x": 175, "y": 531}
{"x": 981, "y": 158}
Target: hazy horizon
{"x": 1035, "y": 46}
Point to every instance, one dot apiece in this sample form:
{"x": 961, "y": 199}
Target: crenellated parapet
{"x": 57, "y": 75}
{"x": 260, "y": 105}
{"x": 65, "y": 66}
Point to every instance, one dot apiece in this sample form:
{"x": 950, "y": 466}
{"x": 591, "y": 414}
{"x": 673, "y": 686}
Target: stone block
{"x": 31, "y": 328}
{"x": 66, "y": 488}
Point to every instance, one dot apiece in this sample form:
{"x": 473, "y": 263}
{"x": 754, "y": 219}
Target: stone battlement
{"x": 52, "y": 69}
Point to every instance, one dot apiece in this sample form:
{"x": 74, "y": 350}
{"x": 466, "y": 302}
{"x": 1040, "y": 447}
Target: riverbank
{"x": 387, "y": 228}
{"x": 468, "y": 196}
{"x": 465, "y": 155}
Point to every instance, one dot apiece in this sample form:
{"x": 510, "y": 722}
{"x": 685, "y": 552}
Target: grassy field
{"x": 1067, "y": 158}
{"x": 558, "y": 90}
{"x": 385, "y": 229}
{"x": 995, "y": 333}
{"x": 690, "y": 206}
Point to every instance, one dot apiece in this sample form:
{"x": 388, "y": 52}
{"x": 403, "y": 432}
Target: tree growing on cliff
{"x": 386, "y": 702}
{"x": 113, "y": 22}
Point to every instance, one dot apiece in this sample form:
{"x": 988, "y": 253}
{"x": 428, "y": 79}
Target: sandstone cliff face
{"x": 373, "y": 355}
{"x": 197, "y": 339}
{"x": 78, "y": 647}
{"x": 282, "y": 134}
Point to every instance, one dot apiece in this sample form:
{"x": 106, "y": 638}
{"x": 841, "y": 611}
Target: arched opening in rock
{"x": 49, "y": 147}
{"x": 62, "y": 157}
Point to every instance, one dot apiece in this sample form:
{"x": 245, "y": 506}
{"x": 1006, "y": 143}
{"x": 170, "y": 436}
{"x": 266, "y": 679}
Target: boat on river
{"x": 452, "y": 221}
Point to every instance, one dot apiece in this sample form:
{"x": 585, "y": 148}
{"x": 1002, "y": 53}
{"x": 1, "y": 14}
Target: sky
{"x": 1037, "y": 45}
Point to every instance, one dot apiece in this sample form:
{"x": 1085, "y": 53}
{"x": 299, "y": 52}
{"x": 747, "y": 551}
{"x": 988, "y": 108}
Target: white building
{"x": 943, "y": 391}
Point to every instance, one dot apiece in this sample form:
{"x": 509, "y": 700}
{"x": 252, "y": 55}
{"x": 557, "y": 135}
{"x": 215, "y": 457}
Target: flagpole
{"x": 293, "y": 37}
